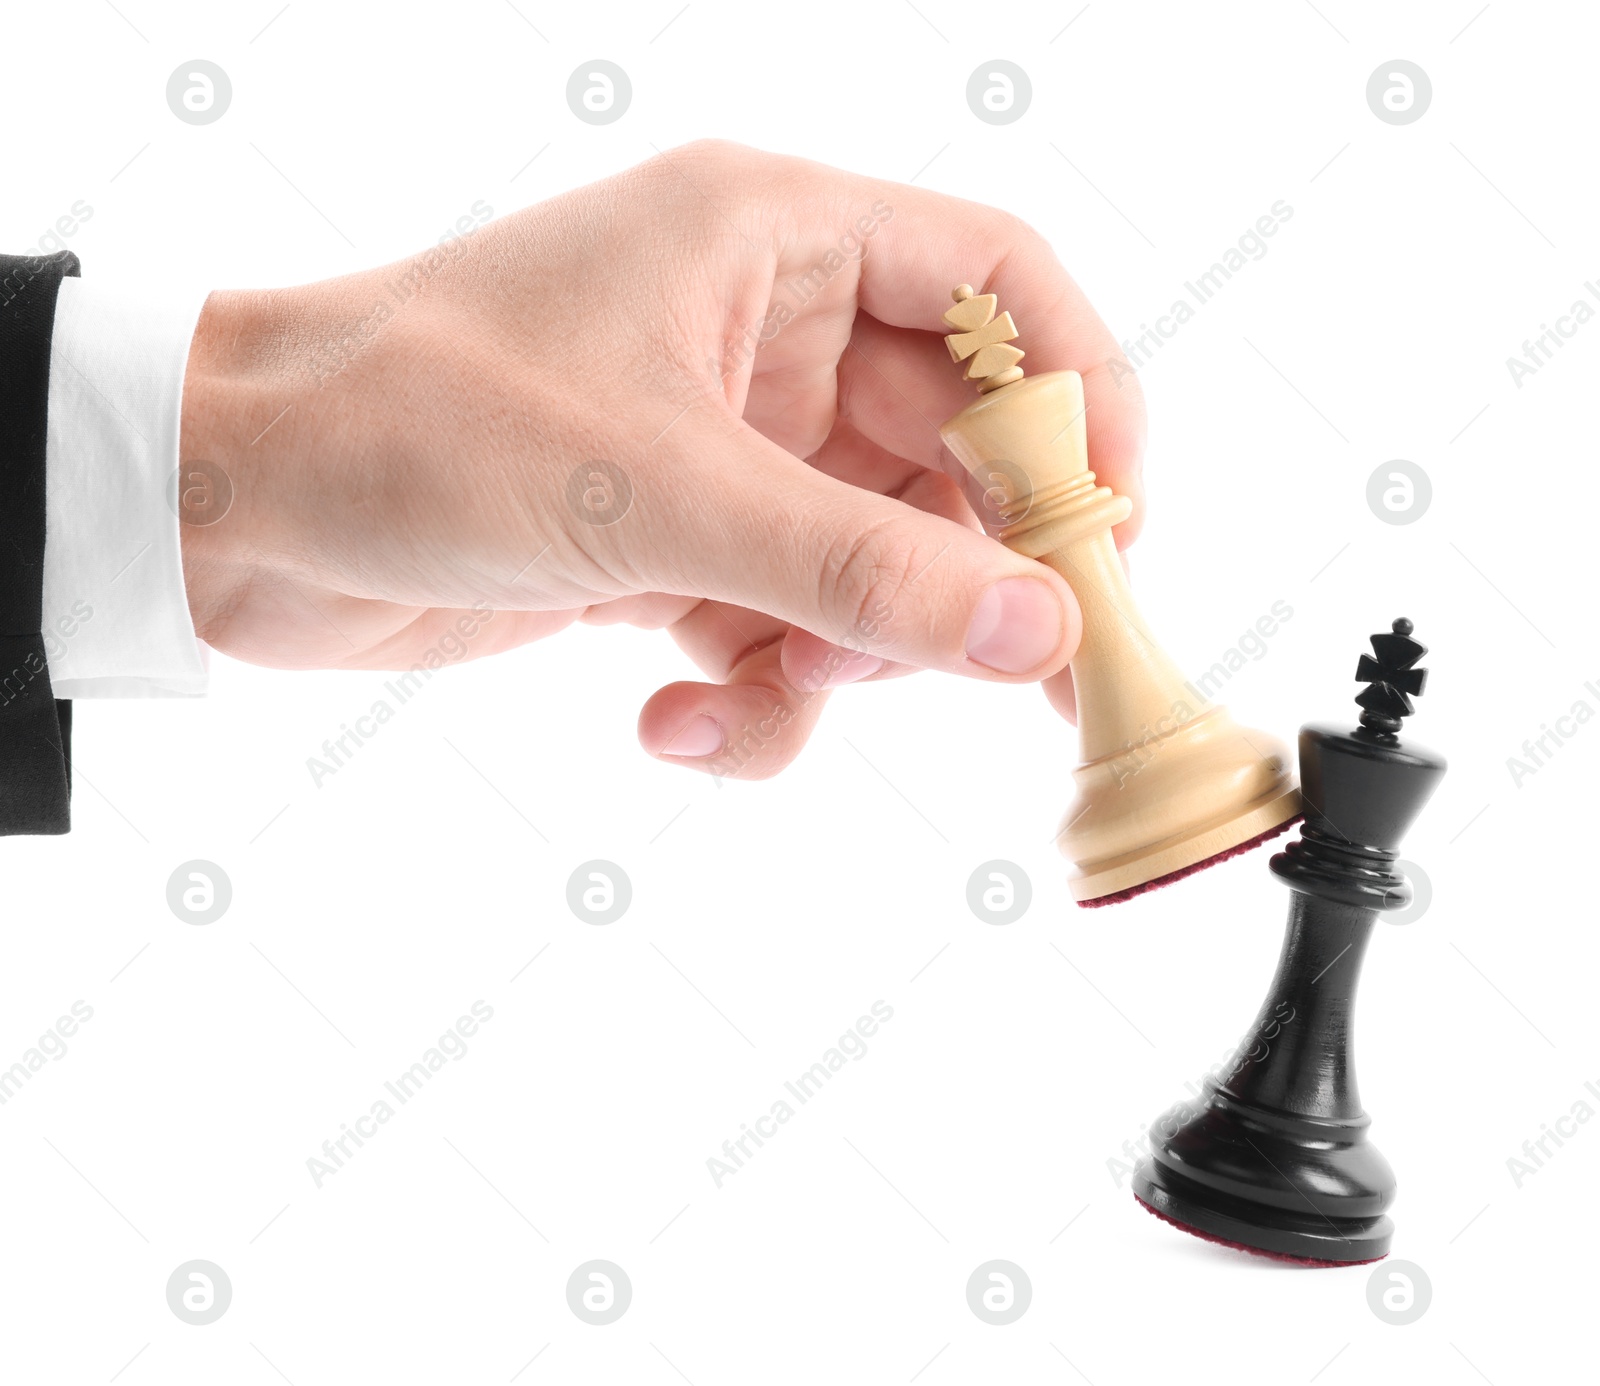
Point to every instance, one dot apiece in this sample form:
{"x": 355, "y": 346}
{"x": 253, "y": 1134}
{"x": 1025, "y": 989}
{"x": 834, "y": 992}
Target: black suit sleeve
{"x": 35, "y": 726}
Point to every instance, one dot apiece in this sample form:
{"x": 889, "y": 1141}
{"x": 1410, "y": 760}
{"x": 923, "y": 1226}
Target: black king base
{"x": 1274, "y": 1157}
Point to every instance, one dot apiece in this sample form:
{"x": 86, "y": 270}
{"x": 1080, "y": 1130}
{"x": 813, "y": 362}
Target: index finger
{"x": 932, "y": 242}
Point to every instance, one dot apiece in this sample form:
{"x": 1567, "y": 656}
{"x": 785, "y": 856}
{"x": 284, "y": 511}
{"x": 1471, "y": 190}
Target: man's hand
{"x": 704, "y": 395}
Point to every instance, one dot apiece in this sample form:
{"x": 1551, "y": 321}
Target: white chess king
{"x": 1167, "y": 782}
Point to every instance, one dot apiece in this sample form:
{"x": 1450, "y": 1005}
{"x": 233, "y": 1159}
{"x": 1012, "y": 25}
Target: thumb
{"x": 760, "y": 528}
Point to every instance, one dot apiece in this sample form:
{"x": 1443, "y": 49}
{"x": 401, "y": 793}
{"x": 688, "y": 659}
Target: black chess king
{"x": 1274, "y": 1156}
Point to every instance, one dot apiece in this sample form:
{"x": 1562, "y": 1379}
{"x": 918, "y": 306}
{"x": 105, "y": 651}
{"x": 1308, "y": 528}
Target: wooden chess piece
{"x": 1274, "y": 1157}
{"x": 1167, "y": 782}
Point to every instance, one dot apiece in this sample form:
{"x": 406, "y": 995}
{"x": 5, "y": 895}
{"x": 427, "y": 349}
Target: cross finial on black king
{"x": 1274, "y": 1157}
{"x": 1390, "y": 679}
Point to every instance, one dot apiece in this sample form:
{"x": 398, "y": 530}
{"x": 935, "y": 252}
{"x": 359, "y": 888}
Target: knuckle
{"x": 1024, "y": 252}
{"x": 712, "y": 185}
{"x": 864, "y": 579}
{"x": 713, "y": 155}
{"x": 1021, "y": 234}
{"x": 1027, "y": 234}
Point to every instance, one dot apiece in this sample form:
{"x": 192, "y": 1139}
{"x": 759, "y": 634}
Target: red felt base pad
{"x": 1119, "y": 896}
{"x": 1309, "y": 1261}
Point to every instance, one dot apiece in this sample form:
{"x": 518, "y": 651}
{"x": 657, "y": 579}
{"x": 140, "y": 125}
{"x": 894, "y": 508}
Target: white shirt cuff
{"x": 116, "y": 616}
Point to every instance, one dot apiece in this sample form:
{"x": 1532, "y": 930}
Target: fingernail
{"x": 699, "y": 736}
{"x": 1016, "y": 627}
{"x": 853, "y": 670}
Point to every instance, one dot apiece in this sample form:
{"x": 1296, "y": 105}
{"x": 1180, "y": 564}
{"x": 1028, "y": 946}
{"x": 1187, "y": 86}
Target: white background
{"x": 370, "y": 913}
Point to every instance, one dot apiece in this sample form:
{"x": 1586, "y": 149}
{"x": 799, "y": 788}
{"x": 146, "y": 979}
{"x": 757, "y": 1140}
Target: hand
{"x": 703, "y": 395}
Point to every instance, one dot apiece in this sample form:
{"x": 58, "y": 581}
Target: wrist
{"x": 234, "y": 373}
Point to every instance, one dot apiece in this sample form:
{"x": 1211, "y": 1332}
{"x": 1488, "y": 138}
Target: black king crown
{"x": 1363, "y": 788}
{"x": 1390, "y": 679}
{"x": 1274, "y": 1156}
